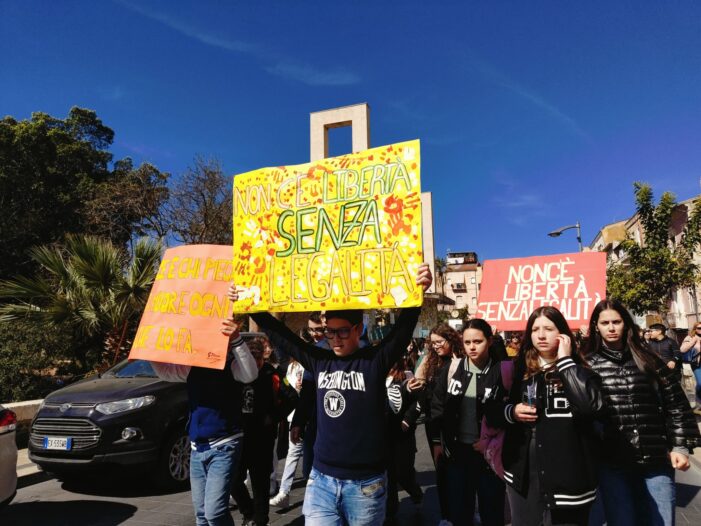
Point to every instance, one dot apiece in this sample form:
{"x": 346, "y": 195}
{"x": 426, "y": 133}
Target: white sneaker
{"x": 281, "y": 500}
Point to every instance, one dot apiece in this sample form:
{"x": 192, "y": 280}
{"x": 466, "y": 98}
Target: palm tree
{"x": 90, "y": 287}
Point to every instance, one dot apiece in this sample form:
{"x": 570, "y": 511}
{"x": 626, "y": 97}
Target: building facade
{"x": 462, "y": 279}
{"x": 683, "y": 307}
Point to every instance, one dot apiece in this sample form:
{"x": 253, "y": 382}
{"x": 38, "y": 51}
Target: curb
{"x": 28, "y": 472}
{"x": 30, "y": 479}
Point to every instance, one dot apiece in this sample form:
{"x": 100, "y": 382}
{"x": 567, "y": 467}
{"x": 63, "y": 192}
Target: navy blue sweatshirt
{"x": 214, "y": 396}
{"x": 350, "y": 396}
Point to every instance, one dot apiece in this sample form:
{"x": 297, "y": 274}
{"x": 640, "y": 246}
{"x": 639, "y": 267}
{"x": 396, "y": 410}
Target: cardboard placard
{"x": 513, "y": 288}
{"x": 340, "y": 233}
{"x": 182, "y": 320}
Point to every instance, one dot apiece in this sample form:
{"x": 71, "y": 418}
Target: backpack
{"x": 491, "y": 439}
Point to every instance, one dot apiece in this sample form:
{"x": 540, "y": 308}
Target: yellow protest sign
{"x": 340, "y": 233}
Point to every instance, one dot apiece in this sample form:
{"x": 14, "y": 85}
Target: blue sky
{"x": 532, "y": 115}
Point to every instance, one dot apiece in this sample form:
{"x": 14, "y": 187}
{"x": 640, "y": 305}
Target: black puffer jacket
{"x": 643, "y": 420}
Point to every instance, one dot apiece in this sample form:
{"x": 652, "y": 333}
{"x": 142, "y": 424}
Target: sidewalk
{"x": 28, "y": 472}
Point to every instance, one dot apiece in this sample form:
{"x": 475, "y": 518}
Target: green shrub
{"x": 32, "y": 362}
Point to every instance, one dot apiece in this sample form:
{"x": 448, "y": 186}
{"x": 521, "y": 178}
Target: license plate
{"x": 58, "y": 443}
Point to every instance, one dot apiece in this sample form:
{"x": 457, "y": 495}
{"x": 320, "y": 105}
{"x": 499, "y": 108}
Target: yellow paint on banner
{"x": 340, "y": 233}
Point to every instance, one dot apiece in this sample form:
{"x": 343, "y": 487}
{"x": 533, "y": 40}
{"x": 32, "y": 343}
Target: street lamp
{"x": 559, "y": 231}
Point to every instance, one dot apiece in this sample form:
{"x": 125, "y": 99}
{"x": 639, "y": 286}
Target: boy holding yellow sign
{"x": 348, "y": 480}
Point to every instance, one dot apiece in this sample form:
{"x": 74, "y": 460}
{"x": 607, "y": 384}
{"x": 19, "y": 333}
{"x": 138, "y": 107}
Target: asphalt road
{"x": 119, "y": 498}
{"x": 111, "y": 499}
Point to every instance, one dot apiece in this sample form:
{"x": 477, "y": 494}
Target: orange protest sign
{"x": 182, "y": 320}
{"x": 513, "y": 288}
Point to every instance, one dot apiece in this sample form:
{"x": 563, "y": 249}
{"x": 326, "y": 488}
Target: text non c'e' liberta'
{"x": 301, "y": 190}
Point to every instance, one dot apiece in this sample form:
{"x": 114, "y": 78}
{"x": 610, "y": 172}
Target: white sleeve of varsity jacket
{"x": 171, "y": 372}
{"x": 243, "y": 366}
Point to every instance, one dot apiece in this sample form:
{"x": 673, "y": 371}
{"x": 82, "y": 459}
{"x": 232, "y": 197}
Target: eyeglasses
{"x": 438, "y": 343}
{"x": 315, "y": 329}
{"x": 343, "y": 332}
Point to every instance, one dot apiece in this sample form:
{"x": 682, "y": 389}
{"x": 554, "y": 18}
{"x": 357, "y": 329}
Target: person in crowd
{"x": 513, "y": 346}
{"x": 549, "y": 447}
{"x": 582, "y": 336}
{"x": 456, "y": 414}
{"x": 303, "y": 425}
{"x": 691, "y": 351}
{"x": 412, "y": 356}
{"x": 666, "y": 348}
{"x": 446, "y": 351}
{"x": 498, "y": 349}
{"x": 294, "y": 376}
{"x": 262, "y": 405}
{"x": 303, "y": 421}
{"x": 648, "y": 428}
{"x": 279, "y": 363}
{"x": 646, "y": 336}
{"x": 348, "y": 482}
{"x": 401, "y": 431}
{"x": 315, "y": 328}
{"x": 215, "y": 425}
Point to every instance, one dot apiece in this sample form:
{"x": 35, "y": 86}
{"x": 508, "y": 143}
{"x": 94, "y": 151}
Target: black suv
{"x": 127, "y": 416}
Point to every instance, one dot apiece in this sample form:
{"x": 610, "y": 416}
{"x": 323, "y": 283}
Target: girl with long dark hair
{"x": 548, "y": 452}
{"x": 445, "y": 347}
{"x": 649, "y": 429}
{"x": 456, "y": 412}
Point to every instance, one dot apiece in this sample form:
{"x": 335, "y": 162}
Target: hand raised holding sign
{"x": 230, "y": 328}
{"x": 232, "y": 293}
{"x": 424, "y": 277}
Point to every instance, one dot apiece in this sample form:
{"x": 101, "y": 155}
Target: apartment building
{"x": 462, "y": 278}
{"x": 684, "y": 303}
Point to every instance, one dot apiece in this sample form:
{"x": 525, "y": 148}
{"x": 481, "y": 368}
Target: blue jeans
{"x": 697, "y": 375}
{"x": 211, "y": 473}
{"x": 335, "y": 502}
{"x": 294, "y": 454}
{"x": 637, "y": 496}
{"x": 467, "y": 475}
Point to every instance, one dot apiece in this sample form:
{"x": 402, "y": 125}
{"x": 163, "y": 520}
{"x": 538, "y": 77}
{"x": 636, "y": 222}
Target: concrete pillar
{"x": 427, "y": 235}
{"x": 357, "y": 116}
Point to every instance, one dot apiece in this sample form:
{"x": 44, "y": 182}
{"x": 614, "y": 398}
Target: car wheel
{"x": 174, "y": 464}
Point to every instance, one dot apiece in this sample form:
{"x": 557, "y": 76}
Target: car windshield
{"x": 133, "y": 369}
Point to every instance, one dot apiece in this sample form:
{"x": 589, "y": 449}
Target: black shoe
{"x": 417, "y": 498}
